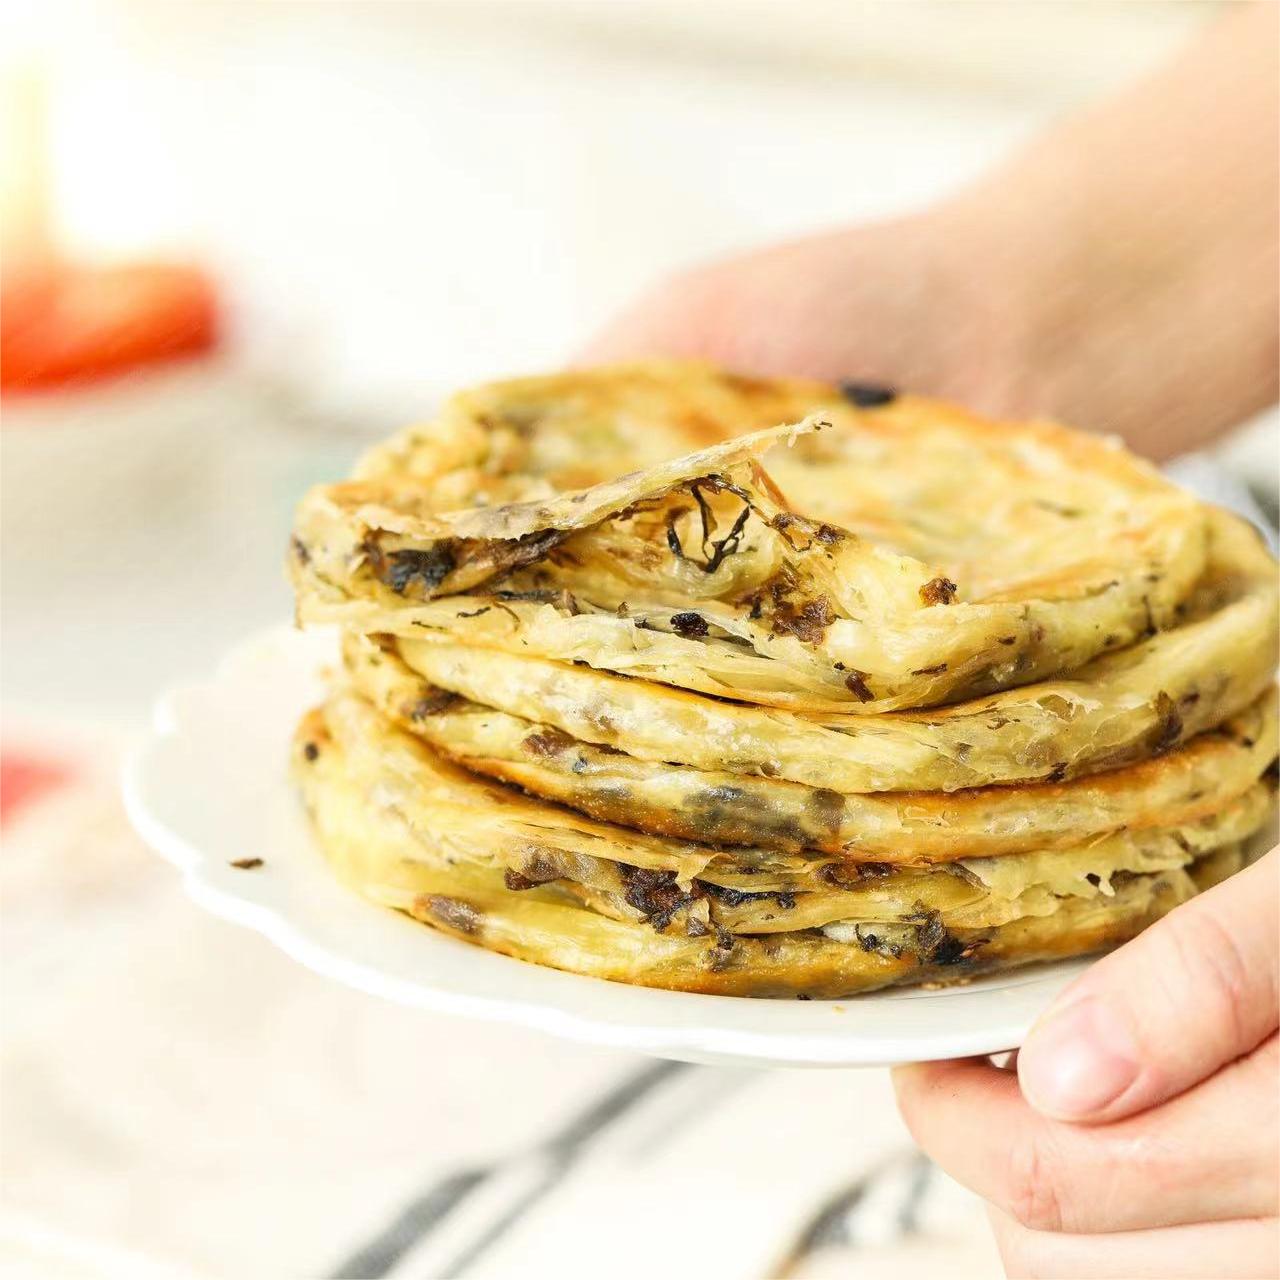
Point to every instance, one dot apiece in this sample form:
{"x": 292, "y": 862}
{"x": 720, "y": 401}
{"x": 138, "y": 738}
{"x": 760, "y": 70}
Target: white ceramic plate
{"x": 210, "y": 785}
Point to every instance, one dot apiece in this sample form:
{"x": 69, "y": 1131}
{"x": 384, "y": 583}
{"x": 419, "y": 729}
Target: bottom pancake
{"x": 649, "y": 929}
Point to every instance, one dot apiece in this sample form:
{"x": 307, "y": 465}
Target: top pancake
{"x": 919, "y": 555}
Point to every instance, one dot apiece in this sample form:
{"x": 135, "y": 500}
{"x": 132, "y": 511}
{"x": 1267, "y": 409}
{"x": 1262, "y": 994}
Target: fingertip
{"x": 1079, "y": 1061}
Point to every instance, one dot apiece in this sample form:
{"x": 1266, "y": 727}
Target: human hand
{"x": 1119, "y": 275}
{"x": 891, "y": 303}
{"x": 1141, "y": 1134}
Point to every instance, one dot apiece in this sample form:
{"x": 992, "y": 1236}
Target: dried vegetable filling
{"x": 666, "y": 675}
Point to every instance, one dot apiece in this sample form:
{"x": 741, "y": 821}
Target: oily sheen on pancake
{"x": 462, "y": 817}
{"x": 1122, "y": 707}
{"x": 665, "y": 675}
{"x": 719, "y": 807}
{"x": 852, "y": 571}
{"x": 887, "y": 935}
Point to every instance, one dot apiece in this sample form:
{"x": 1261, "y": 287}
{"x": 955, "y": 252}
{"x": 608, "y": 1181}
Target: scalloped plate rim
{"x": 987, "y": 1016}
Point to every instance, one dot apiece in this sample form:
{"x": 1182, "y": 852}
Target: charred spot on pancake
{"x": 952, "y": 951}
{"x": 431, "y": 703}
{"x": 690, "y": 625}
{"x": 653, "y": 893}
{"x": 310, "y": 751}
{"x": 300, "y": 551}
{"x": 407, "y": 567}
{"x": 930, "y": 671}
{"x": 537, "y": 865}
{"x": 722, "y": 955}
{"x": 403, "y": 569}
{"x": 1058, "y": 772}
{"x": 938, "y": 591}
{"x": 876, "y": 943}
{"x": 1093, "y": 878}
{"x": 1169, "y": 724}
{"x": 788, "y": 523}
{"x": 730, "y": 897}
{"x": 475, "y": 613}
{"x": 548, "y": 741}
{"x": 807, "y": 621}
{"x": 934, "y": 942}
{"x": 1007, "y": 640}
{"x": 535, "y": 868}
{"x": 867, "y": 395}
{"x": 245, "y": 864}
{"x": 1271, "y": 773}
{"x": 856, "y": 683}
{"x": 450, "y": 913}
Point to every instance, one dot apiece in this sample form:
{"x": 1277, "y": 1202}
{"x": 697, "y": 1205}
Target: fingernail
{"x": 1077, "y": 1061}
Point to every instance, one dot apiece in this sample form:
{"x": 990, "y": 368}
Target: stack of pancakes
{"x": 640, "y": 684}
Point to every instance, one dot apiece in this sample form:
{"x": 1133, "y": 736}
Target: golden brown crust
{"x": 1120, "y": 708}
{"x": 718, "y": 807}
{"x": 1040, "y": 548}
{"x": 377, "y": 853}
{"x": 931, "y": 696}
{"x": 394, "y": 829}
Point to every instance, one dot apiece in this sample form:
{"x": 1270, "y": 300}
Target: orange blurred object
{"x": 26, "y": 778}
{"x": 71, "y": 324}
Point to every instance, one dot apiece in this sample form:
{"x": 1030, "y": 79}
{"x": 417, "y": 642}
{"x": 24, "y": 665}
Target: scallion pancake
{"x": 375, "y": 848}
{"x": 918, "y": 555}
{"x": 717, "y": 807}
{"x": 457, "y": 817}
{"x": 1120, "y": 708}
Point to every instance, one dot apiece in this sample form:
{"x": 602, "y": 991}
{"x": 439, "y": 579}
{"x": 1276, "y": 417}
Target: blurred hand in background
{"x": 1120, "y": 274}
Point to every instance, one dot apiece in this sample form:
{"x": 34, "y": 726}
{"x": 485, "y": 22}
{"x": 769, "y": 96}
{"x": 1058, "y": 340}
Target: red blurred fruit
{"x": 75, "y": 324}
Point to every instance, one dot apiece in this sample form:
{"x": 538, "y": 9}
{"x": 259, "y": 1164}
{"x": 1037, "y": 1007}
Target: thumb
{"x": 1192, "y": 993}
